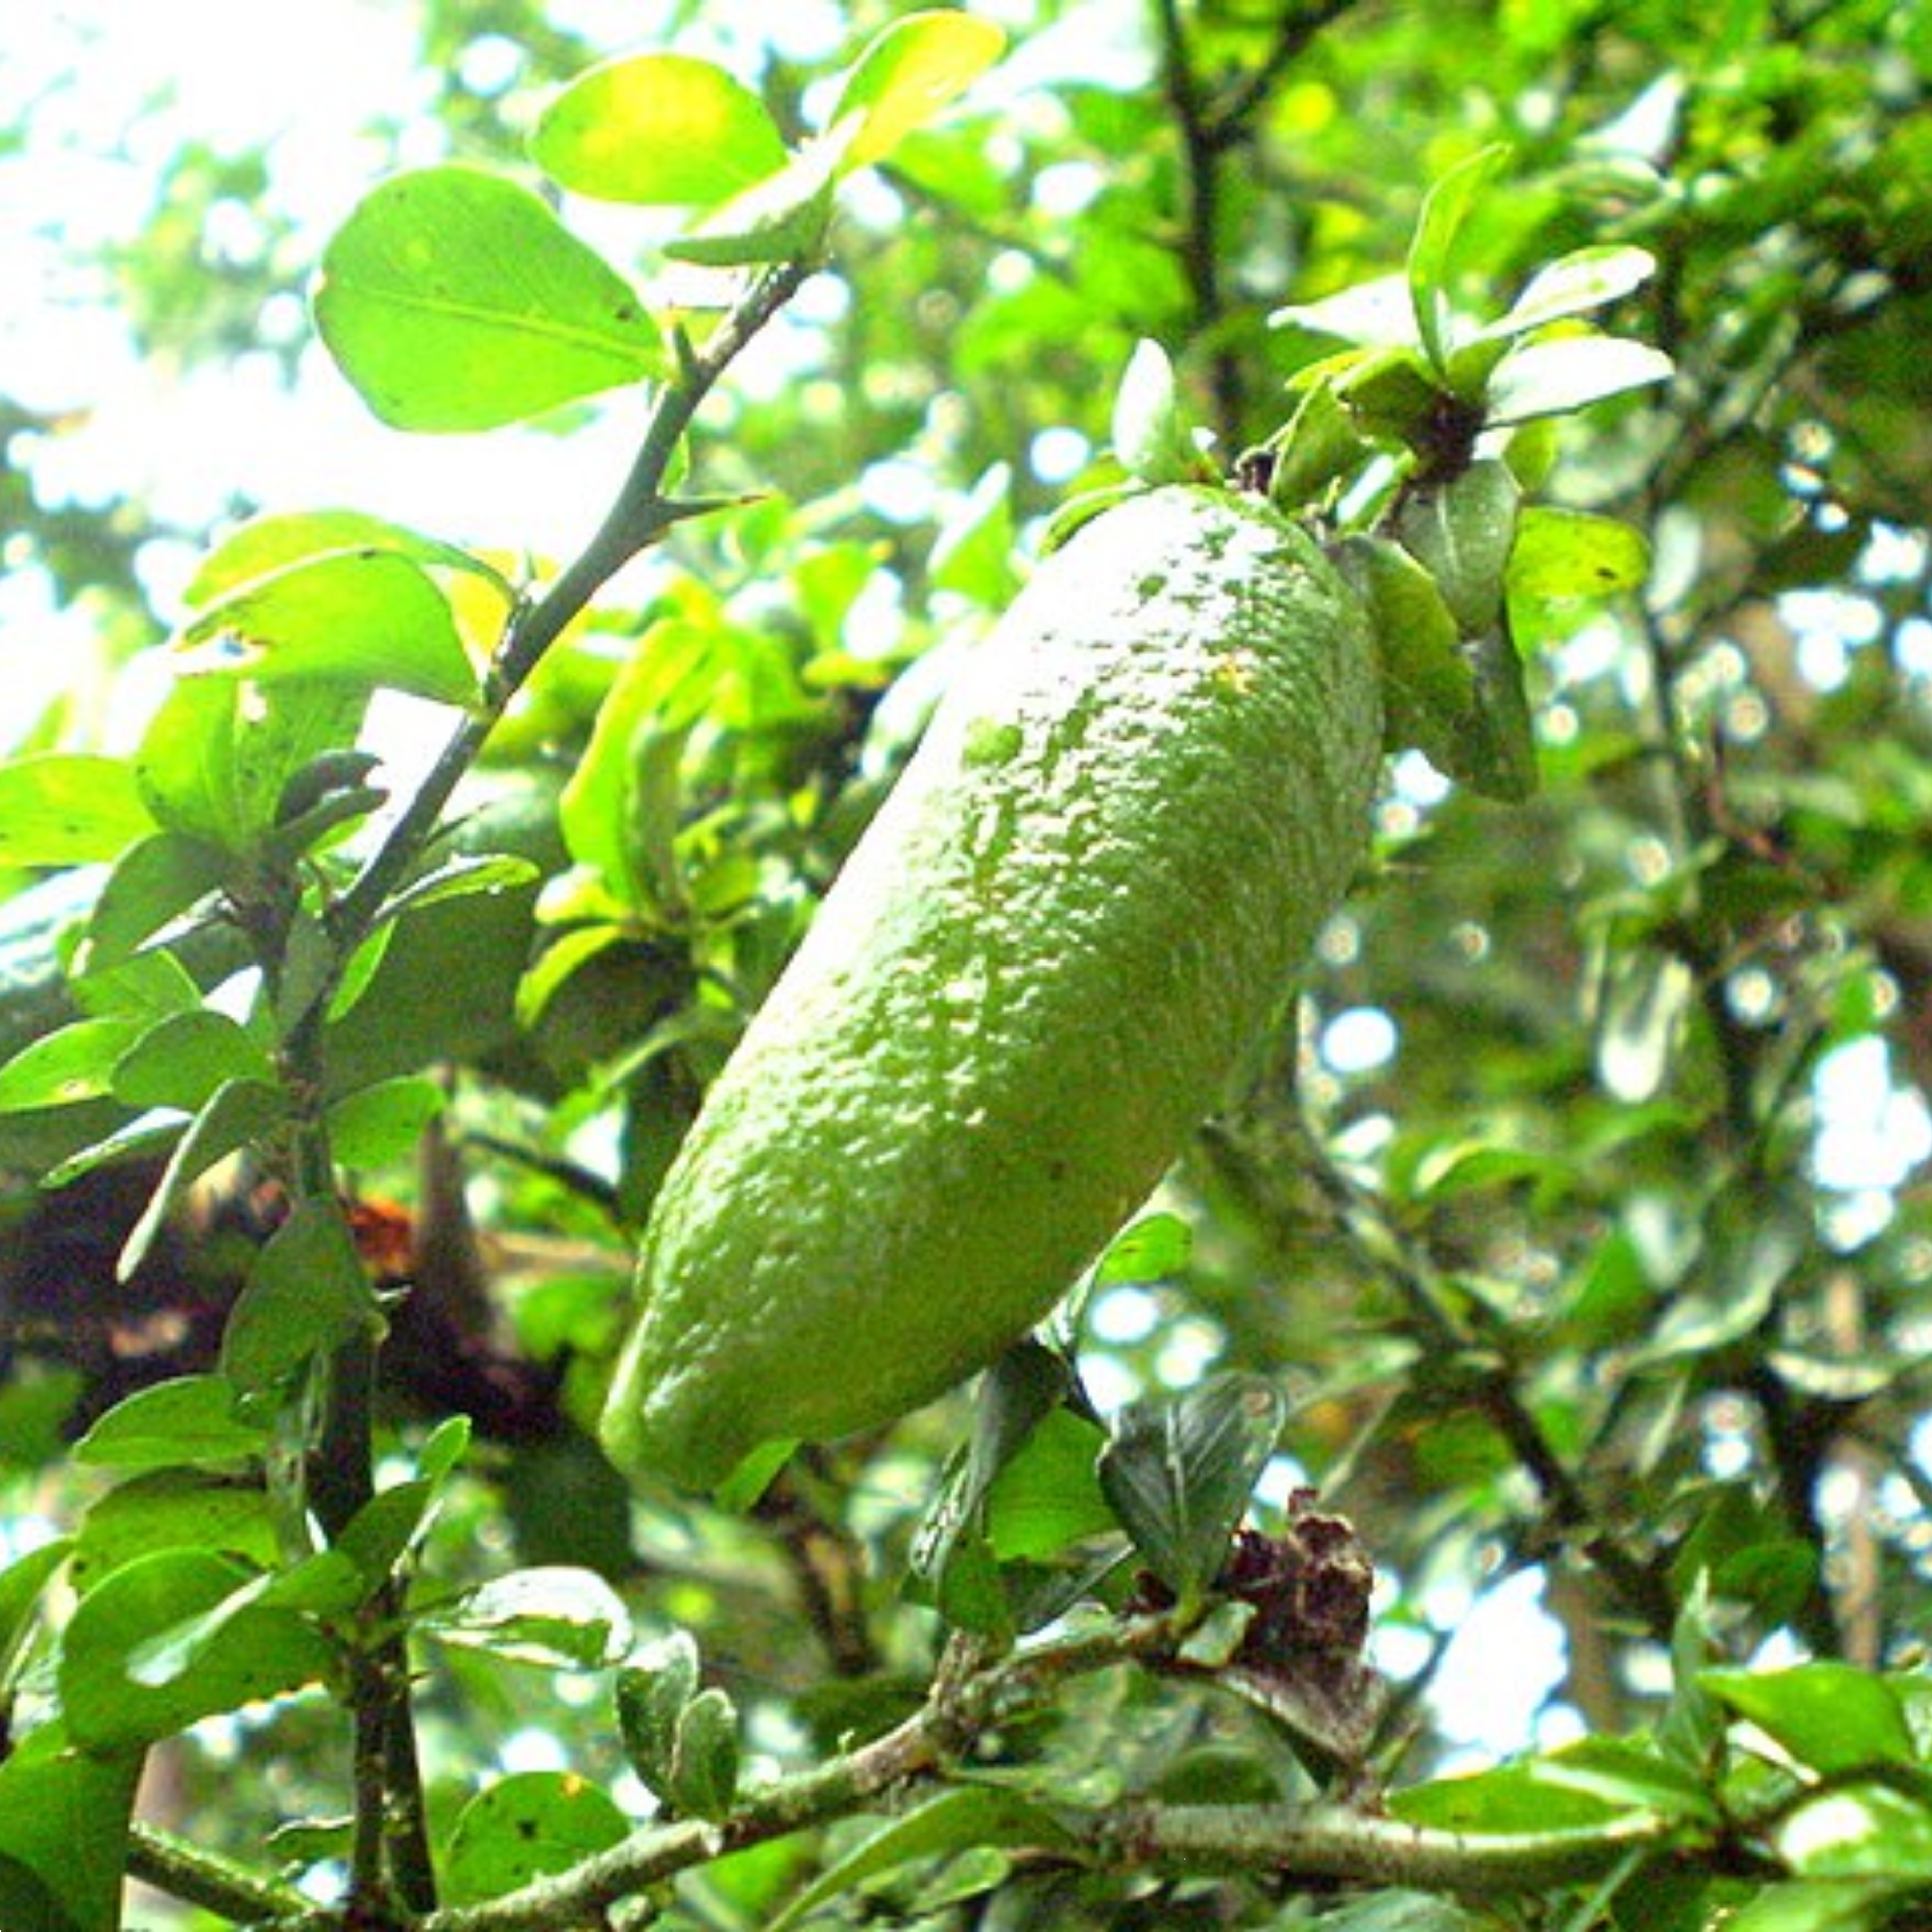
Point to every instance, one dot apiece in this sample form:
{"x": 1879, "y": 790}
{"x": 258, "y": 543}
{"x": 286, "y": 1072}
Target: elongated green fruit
{"x": 1085, "y": 899}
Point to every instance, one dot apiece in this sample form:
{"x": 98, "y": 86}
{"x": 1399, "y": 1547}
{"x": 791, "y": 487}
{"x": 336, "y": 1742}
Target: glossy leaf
{"x": 213, "y": 765}
{"x": 266, "y": 546}
{"x": 368, "y": 619}
{"x": 454, "y": 300}
{"x": 1150, "y": 435}
{"x": 906, "y": 77}
{"x": 215, "y": 1513}
{"x": 236, "y": 1112}
{"x": 659, "y": 129}
{"x": 183, "y": 1061}
{"x": 69, "y": 809}
{"x": 153, "y": 883}
{"x": 1830, "y": 1716}
{"x": 1575, "y": 284}
{"x": 76, "y": 1064}
{"x": 524, "y": 1827}
{"x": 1568, "y": 373}
{"x": 558, "y": 1617}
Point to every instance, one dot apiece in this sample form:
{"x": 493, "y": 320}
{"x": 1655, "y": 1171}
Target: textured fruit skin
{"x": 1034, "y": 977}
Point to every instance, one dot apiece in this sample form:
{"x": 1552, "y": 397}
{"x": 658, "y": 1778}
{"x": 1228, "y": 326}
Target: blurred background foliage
{"x": 1582, "y": 1218}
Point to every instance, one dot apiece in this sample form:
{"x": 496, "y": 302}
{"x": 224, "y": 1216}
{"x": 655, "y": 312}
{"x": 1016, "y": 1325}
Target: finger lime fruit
{"x": 1037, "y": 973}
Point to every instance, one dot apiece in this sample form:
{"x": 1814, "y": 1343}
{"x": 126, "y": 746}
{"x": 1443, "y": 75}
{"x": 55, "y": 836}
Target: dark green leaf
{"x": 174, "y": 1637}
{"x": 704, "y": 1775}
{"x": 306, "y": 1295}
{"x": 64, "y": 1838}
{"x": 528, "y": 1826}
{"x": 189, "y": 1420}
{"x": 175, "y": 1509}
{"x": 955, "y": 1821}
{"x": 653, "y": 1690}
{"x": 1180, "y": 1470}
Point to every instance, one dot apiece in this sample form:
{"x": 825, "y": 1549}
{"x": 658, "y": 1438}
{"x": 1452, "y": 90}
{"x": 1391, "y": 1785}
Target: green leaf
{"x": 380, "y": 1124}
{"x": 1179, "y": 1472}
{"x": 907, "y": 75}
{"x": 955, "y": 1821}
{"x": 306, "y": 1295}
{"x": 454, "y": 300}
{"x": 1462, "y": 531}
{"x": 69, "y": 809}
{"x": 1568, "y": 373}
{"x": 653, "y": 1690}
{"x": 74, "y": 1063}
{"x": 215, "y": 767}
{"x": 783, "y": 218}
{"x": 23, "y": 1583}
{"x": 191, "y": 1419}
{"x": 175, "y": 1508}
{"x": 153, "y": 882}
{"x": 1830, "y": 1717}
{"x": 1860, "y": 1831}
{"x": 1151, "y": 431}
{"x": 1573, "y": 553}
{"x": 1431, "y": 253}
{"x": 556, "y": 1616}
{"x": 124, "y": 1680}
{"x": 525, "y": 1826}
{"x": 64, "y": 1838}
{"x": 1429, "y": 687}
{"x": 460, "y": 878}
{"x": 266, "y": 546}
{"x": 658, "y": 129}
{"x": 1824, "y": 1905}
{"x": 183, "y": 1061}
{"x": 237, "y": 1113}
{"x": 1048, "y": 1494}
{"x": 1155, "y": 1248}
{"x": 703, "y": 1778}
{"x": 1574, "y": 284}
{"x": 367, "y": 618}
